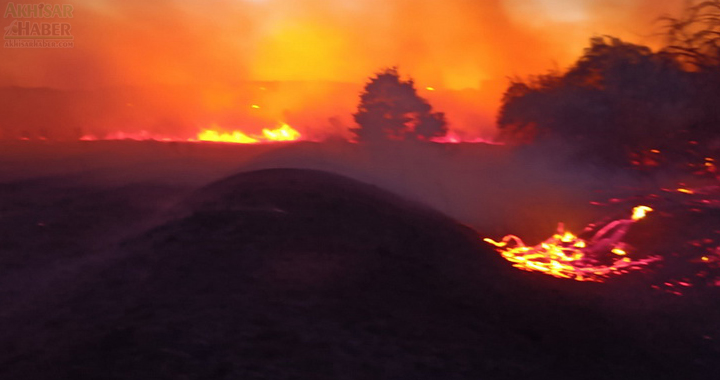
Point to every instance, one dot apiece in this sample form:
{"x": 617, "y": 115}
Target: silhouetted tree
{"x": 617, "y": 100}
{"x": 622, "y": 102}
{"x": 390, "y": 108}
{"x": 693, "y": 39}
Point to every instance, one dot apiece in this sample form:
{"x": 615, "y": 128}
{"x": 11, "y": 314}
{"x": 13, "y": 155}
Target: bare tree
{"x": 694, "y": 36}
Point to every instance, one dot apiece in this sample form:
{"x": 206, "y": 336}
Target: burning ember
{"x": 565, "y": 255}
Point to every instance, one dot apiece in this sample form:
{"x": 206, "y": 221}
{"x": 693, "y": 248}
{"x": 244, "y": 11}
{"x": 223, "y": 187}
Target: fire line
{"x": 565, "y": 255}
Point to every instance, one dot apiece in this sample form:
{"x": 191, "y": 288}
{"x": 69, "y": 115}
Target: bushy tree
{"x": 617, "y": 100}
{"x": 391, "y": 109}
{"x": 693, "y": 39}
{"x": 622, "y": 102}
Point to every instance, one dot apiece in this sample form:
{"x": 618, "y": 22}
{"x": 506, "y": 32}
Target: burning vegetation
{"x": 283, "y": 133}
{"x": 566, "y": 255}
{"x": 652, "y": 114}
{"x": 389, "y": 109}
{"x": 676, "y": 248}
{"x": 620, "y": 105}
{"x": 648, "y": 117}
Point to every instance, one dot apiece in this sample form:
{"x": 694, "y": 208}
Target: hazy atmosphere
{"x": 378, "y": 189}
{"x": 175, "y": 67}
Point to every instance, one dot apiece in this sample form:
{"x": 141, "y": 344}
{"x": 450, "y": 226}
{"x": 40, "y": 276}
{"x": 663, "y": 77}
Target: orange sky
{"x": 214, "y": 46}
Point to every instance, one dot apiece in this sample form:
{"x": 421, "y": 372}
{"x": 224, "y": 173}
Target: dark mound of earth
{"x": 299, "y": 274}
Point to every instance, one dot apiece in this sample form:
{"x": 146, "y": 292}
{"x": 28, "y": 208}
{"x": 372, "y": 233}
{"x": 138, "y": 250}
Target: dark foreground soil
{"x": 299, "y": 274}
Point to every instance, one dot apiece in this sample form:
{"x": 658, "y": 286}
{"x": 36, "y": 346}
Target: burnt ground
{"x": 300, "y": 274}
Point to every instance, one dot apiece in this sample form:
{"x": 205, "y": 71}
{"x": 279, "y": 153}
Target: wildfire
{"x": 565, "y": 255}
{"x": 283, "y": 133}
{"x": 228, "y": 137}
{"x": 137, "y": 136}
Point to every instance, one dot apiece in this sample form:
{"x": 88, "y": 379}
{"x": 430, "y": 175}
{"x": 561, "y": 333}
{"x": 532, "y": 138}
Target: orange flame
{"x": 283, "y": 133}
{"x": 640, "y": 212}
{"x": 565, "y": 255}
{"x": 228, "y": 137}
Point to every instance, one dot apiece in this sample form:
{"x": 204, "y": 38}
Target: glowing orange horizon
{"x": 187, "y": 63}
{"x": 283, "y": 133}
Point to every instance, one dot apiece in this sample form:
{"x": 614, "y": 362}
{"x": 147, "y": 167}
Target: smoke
{"x": 175, "y": 67}
{"x": 190, "y": 63}
{"x": 494, "y": 189}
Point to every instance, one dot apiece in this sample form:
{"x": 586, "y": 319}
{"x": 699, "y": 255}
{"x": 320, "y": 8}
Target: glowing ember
{"x": 566, "y": 255}
{"x": 640, "y": 212}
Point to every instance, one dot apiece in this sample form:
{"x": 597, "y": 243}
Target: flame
{"x": 565, "y": 255}
{"x": 228, "y": 137}
{"x": 640, "y": 212}
{"x": 284, "y": 133}
{"x": 214, "y": 134}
